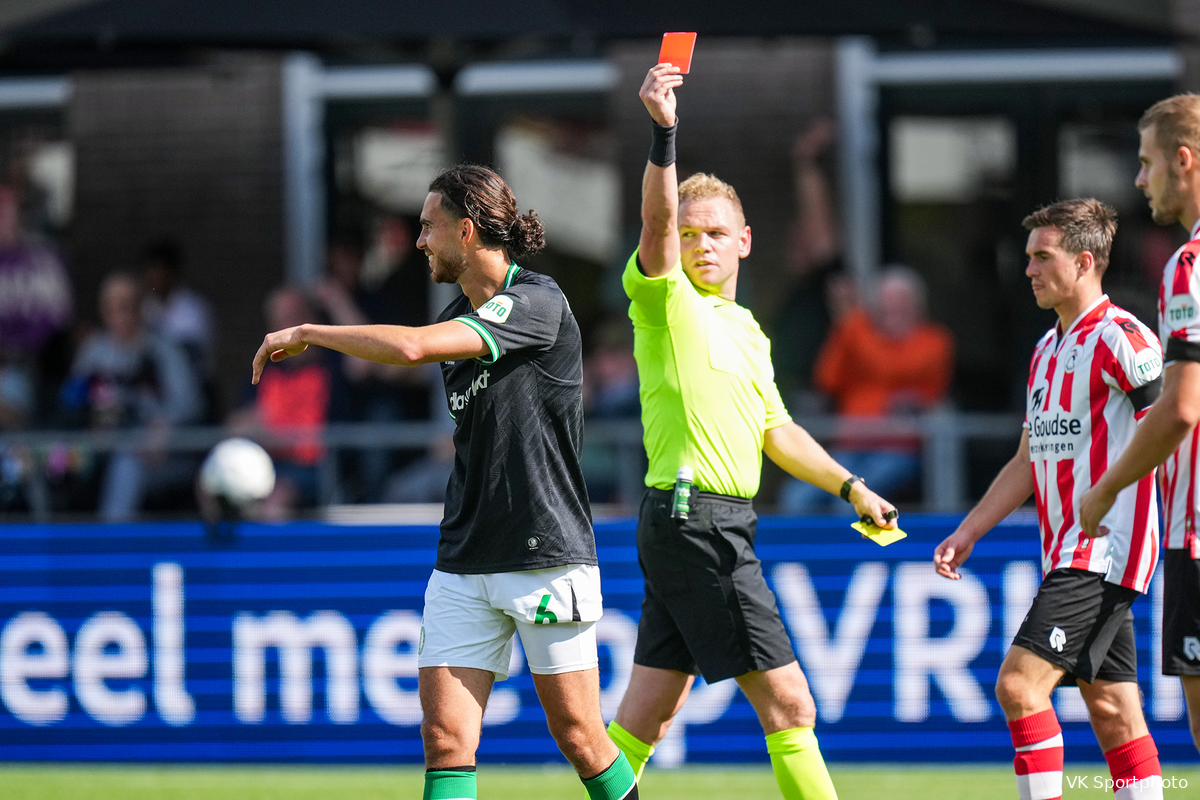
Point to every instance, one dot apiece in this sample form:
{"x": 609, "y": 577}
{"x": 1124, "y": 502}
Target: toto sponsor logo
{"x": 1181, "y": 311}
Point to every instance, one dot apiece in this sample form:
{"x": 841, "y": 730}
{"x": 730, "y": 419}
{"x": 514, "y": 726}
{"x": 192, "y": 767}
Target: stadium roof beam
{"x": 16, "y": 93}
{"x": 1027, "y": 66}
{"x": 536, "y": 77}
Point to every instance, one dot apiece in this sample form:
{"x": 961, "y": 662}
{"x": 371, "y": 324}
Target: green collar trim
{"x": 512, "y": 273}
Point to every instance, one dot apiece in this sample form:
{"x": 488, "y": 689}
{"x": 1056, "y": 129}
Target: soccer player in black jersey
{"x": 517, "y": 552}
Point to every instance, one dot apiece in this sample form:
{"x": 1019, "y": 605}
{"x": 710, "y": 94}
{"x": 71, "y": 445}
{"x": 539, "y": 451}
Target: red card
{"x": 677, "y": 50}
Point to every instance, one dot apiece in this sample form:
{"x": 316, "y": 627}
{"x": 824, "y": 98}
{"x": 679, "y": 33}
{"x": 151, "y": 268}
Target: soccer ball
{"x": 238, "y": 471}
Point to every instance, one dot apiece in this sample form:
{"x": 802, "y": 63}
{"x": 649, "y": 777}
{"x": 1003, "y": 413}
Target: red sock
{"x": 1131, "y": 765}
{"x": 1039, "y": 762}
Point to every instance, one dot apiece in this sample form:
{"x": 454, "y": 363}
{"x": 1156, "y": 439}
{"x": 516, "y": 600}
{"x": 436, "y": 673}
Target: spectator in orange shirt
{"x": 883, "y": 362}
{"x": 295, "y": 401}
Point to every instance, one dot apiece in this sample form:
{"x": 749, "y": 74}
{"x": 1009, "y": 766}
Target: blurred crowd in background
{"x": 136, "y": 285}
{"x": 145, "y": 358}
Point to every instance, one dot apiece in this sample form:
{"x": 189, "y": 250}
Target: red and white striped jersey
{"x": 1087, "y": 390}
{"x": 1179, "y": 326}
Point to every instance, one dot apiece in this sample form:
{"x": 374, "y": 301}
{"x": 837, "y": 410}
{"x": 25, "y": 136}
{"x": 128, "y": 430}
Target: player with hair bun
{"x": 517, "y": 552}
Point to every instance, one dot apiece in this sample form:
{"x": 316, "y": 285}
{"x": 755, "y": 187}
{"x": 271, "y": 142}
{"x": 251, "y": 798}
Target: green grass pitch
{"x": 71, "y": 782}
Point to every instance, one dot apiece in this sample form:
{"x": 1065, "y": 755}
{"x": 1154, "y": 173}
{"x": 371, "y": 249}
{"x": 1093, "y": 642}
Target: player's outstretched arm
{"x": 1008, "y": 491}
{"x": 800, "y": 455}
{"x": 1158, "y": 435}
{"x": 384, "y": 344}
{"x": 658, "y": 250}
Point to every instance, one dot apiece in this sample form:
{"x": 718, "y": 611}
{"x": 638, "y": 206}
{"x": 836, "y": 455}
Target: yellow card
{"x": 878, "y": 535}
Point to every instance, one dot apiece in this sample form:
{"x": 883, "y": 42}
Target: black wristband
{"x": 662, "y": 144}
{"x": 848, "y": 484}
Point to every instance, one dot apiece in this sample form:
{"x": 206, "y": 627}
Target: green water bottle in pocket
{"x": 681, "y": 500}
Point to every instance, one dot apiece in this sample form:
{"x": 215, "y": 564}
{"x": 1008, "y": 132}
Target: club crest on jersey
{"x": 1072, "y": 357}
{"x": 497, "y": 309}
{"x": 1148, "y": 364}
{"x": 1181, "y": 312}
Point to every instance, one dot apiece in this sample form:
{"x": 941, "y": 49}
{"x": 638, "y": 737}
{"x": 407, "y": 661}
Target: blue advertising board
{"x": 297, "y": 642}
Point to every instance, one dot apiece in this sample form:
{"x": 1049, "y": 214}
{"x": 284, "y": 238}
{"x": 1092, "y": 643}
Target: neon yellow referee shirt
{"x": 707, "y": 385}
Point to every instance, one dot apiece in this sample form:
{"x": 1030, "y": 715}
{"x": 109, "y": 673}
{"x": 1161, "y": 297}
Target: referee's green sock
{"x": 616, "y": 783}
{"x": 635, "y": 750}
{"x": 455, "y": 783}
{"x": 799, "y": 769}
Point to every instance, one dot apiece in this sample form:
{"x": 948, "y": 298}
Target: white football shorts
{"x": 469, "y": 620}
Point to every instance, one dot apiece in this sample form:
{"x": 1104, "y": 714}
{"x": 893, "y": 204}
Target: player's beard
{"x": 448, "y": 270}
{"x": 1170, "y": 205}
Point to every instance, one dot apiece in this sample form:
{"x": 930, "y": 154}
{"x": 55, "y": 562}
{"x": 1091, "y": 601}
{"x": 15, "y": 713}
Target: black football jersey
{"x": 516, "y": 498}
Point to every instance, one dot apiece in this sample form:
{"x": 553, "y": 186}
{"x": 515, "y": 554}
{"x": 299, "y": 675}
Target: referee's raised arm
{"x": 658, "y": 250}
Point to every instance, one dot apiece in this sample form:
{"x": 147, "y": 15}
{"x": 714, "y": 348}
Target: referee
{"x": 709, "y": 402}
{"x": 517, "y": 552}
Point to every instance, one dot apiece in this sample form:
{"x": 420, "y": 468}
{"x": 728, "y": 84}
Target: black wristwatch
{"x": 850, "y": 482}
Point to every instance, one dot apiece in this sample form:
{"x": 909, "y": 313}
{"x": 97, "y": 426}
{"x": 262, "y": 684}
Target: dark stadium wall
{"x": 1185, "y": 17}
{"x": 190, "y": 154}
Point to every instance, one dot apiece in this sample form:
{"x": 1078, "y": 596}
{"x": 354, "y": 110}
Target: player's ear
{"x": 744, "y": 242}
{"x": 1185, "y": 159}
{"x": 466, "y": 231}
{"x": 1085, "y": 262}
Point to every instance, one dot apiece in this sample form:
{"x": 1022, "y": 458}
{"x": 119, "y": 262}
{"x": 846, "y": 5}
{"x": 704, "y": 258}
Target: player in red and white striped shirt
{"x": 1091, "y": 378}
{"x": 1170, "y": 179}
{"x": 1179, "y": 325}
{"x": 1087, "y": 389}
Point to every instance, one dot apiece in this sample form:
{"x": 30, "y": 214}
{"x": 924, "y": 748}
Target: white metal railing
{"x": 944, "y": 436}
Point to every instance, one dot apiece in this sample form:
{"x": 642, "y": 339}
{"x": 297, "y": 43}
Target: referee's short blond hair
{"x": 703, "y": 186}
{"x": 1176, "y": 122}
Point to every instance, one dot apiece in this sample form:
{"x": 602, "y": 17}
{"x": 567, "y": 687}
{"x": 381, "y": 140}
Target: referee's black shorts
{"x": 1084, "y": 624}
{"x": 1181, "y": 613}
{"x": 707, "y": 609}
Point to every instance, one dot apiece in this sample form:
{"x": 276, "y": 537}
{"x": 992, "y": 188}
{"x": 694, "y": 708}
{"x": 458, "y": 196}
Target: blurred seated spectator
{"x": 123, "y": 377}
{"x": 366, "y": 391}
{"x": 18, "y": 399}
{"x": 610, "y": 392}
{"x": 889, "y": 361}
{"x": 610, "y": 377}
{"x": 35, "y": 293}
{"x": 35, "y": 309}
{"x": 288, "y": 410}
{"x": 424, "y": 480}
{"x": 180, "y": 313}
{"x": 18, "y": 396}
{"x": 814, "y": 260}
